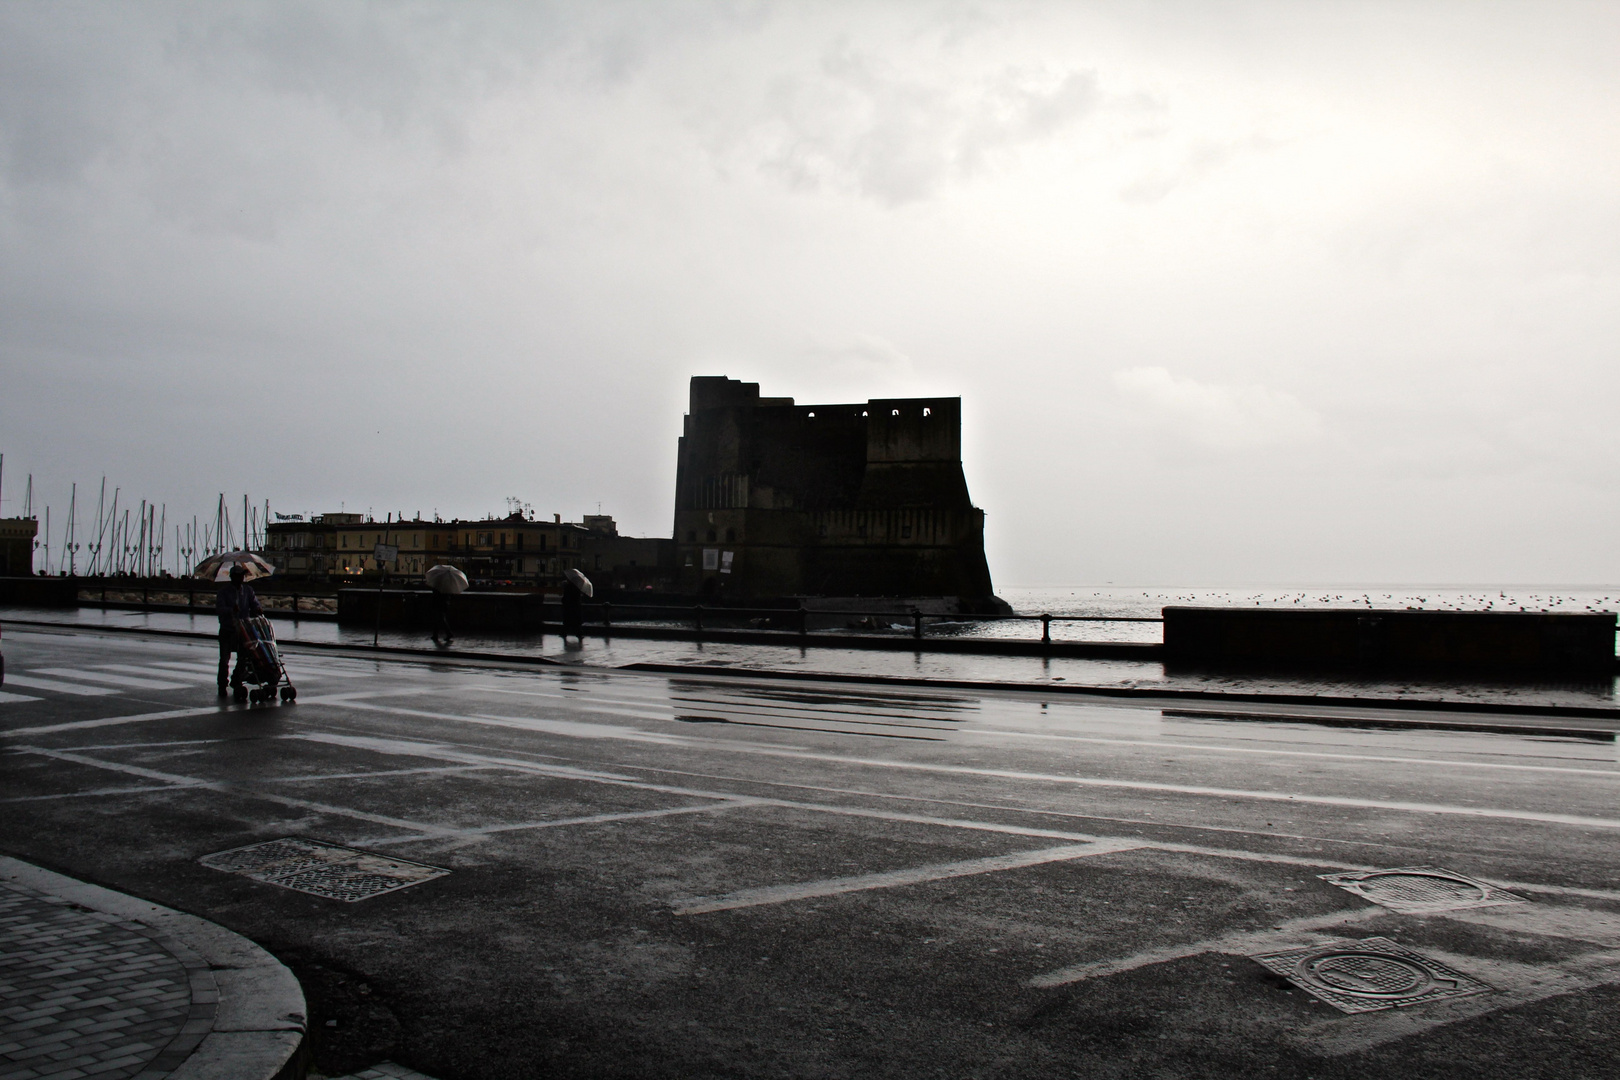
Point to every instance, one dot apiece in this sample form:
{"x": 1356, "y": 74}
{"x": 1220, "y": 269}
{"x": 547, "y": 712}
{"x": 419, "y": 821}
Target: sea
{"x": 1092, "y": 603}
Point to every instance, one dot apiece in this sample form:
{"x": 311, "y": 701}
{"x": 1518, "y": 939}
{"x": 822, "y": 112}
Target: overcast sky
{"x": 1232, "y": 293}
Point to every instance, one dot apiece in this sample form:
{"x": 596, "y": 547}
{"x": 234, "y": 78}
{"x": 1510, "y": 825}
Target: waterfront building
{"x": 774, "y": 499}
{"x": 516, "y": 549}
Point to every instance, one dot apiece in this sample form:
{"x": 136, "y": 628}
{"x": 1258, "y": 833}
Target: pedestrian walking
{"x": 576, "y": 587}
{"x": 445, "y": 581}
{"x": 234, "y": 601}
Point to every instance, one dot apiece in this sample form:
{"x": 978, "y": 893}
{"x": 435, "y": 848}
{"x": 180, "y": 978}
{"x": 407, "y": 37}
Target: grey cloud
{"x": 894, "y": 137}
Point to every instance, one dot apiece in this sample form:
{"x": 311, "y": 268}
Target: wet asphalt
{"x": 684, "y": 876}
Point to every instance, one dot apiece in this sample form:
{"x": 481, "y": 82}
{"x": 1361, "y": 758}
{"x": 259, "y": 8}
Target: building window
{"x": 711, "y": 536}
{"x": 860, "y": 530}
{"x": 691, "y": 536}
{"x": 731, "y": 535}
{"x": 905, "y": 532}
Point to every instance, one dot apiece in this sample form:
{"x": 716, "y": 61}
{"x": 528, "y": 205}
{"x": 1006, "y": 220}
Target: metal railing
{"x": 800, "y": 618}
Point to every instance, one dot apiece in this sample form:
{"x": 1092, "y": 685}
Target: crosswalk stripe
{"x": 177, "y": 665}
{"x": 116, "y": 680}
{"x": 60, "y": 687}
{"x": 15, "y": 697}
{"x": 195, "y": 676}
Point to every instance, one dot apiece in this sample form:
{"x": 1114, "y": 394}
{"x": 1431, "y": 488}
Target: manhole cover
{"x": 309, "y": 866}
{"x": 1415, "y": 890}
{"x": 1370, "y": 974}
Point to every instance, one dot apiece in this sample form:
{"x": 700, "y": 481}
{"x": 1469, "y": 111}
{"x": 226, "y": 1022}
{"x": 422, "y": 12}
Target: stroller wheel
{"x": 288, "y": 693}
{"x": 240, "y": 694}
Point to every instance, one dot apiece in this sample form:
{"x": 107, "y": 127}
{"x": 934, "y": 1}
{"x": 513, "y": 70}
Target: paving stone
{"x": 83, "y": 996}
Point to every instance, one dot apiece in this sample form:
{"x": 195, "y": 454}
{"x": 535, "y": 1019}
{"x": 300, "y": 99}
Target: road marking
{"x": 111, "y": 721}
{"x": 135, "y": 669}
{"x": 998, "y": 733}
{"x": 781, "y": 894}
{"x": 60, "y": 687}
{"x": 239, "y": 790}
{"x": 557, "y": 823}
{"x": 576, "y": 729}
{"x": 1293, "y": 932}
{"x": 15, "y": 697}
{"x": 116, "y": 680}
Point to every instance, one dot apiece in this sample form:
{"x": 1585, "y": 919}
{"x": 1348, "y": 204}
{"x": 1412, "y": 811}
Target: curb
{"x": 258, "y": 1022}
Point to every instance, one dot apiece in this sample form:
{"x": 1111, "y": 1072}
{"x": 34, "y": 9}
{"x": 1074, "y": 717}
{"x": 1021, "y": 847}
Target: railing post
{"x": 1046, "y": 629}
{"x": 607, "y": 615}
{"x": 698, "y": 614}
{"x": 295, "y": 609}
{"x": 804, "y": 623}
{"x": 146, "y": 593}
{"x": 916, "y": 624}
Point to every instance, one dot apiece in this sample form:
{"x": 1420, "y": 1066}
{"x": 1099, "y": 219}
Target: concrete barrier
{"x": 1507, "y": 643}
{"x": 39, "y": 591}
{"x": 414, "y": 608}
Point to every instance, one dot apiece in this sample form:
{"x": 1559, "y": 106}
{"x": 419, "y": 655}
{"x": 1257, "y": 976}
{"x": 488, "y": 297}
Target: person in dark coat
{"x": 441, "y": 619}
{"x": 573, "y": 612}
{"x": 234, "y": 600}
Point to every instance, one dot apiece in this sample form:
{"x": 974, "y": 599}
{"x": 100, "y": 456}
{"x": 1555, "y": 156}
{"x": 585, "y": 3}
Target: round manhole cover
{"x": 1367, "y": 974}
{"x": 1419, "y": 888}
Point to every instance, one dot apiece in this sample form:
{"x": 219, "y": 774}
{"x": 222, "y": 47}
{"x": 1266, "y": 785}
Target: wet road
{"x": 681, "y": 876}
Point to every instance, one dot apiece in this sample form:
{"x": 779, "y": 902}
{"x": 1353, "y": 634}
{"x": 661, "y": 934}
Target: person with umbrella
{"x": 576, "y": 586}
{"x": 445, "y": 581}
{"x": 235, "y": 600}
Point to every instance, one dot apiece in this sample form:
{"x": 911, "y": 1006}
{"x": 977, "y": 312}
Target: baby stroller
{"x": 264, "y": 667}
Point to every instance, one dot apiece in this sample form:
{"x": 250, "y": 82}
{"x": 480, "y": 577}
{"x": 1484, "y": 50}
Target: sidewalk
{"x": 94, "y": 983}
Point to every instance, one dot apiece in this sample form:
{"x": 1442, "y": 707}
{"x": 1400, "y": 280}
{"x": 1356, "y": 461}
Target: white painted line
{"x": 92, "y": 793}
{"x": 112, "y": 721}
{"x": 1241, "y": 943}
{"x": 558, "y": 823}
{"x": 441, "y": 752}
{"x": 781, "y": 894}
{"x": 996, "y": 733}
{"x": 116, "y": 680}
{"x": 135, "y": 669}
{"x": 15, "y": 697}
{"x": 60, "y": 687}
{"x": 239, "y": 790}
{"x": 576, "y": 729}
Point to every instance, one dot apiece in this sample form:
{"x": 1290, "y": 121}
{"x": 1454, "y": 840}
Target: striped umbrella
{"x": 218, "y": 567}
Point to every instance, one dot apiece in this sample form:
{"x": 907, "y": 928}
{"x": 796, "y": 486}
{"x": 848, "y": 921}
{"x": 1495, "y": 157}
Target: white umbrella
{"x": 582, "y": 582}
{"x": 218, "y": 567}
{"x": 445, "y": 579}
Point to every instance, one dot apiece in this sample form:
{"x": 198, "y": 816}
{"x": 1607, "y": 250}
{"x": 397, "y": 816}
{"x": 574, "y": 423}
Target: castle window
{"x": 928, "y": 412}
{"x": 895, "y": 412}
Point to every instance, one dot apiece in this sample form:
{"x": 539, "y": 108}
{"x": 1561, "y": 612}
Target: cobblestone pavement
{"x": 85, "y": 995}
{"x": 385, "y": 1071}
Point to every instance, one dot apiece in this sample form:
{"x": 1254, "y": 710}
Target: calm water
{"x": 1119, "y": 600}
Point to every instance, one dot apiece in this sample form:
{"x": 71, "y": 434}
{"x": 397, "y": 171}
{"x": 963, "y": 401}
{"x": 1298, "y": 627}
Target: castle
{"x": 774, "y": 499}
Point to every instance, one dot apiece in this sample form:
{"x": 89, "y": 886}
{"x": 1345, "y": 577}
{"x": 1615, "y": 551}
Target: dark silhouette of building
{"x": 17, "y": 546}
{"x": 774, "y": 499}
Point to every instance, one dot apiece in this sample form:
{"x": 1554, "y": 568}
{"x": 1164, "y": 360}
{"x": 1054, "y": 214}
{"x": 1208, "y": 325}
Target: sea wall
{"x": 1517, "y": 644}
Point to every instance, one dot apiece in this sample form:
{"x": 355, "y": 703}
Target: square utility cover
{"x": 1417, "y": 890}
{"x": 1369, "y": 974}
{"x": 337, "y": 873}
